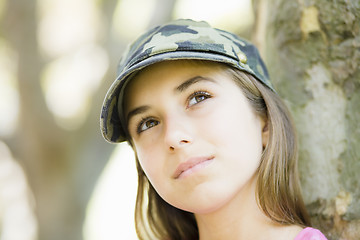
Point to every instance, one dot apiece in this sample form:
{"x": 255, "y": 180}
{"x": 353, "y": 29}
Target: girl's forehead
{"x": 168, "y": 75}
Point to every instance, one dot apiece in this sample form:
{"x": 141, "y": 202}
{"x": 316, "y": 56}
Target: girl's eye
{"x": 198, "y": 97}
{"x": 145, "y": 124}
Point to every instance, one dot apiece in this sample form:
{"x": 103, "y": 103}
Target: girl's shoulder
{"x": 310, "y": 234}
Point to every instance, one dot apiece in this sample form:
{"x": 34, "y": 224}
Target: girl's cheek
{"x": 145, "y": 160}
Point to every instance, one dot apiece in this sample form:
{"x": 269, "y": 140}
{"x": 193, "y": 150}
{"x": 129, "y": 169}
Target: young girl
{"x": 215, "y": 145}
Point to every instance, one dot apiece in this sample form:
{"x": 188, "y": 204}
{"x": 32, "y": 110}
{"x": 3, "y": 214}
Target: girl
{"x": 215, "y": 145}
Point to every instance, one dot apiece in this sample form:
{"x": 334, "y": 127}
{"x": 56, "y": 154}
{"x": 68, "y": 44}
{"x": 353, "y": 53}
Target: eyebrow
{"x": 185, "y": 85}
{"x": 136, "y": 111}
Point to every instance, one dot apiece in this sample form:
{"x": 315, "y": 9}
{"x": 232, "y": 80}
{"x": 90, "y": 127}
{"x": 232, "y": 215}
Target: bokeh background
{"x": 60, "y": 180}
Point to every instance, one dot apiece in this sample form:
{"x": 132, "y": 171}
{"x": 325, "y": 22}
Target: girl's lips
{"x": 189, "y": 164}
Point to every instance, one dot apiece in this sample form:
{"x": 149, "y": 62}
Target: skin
{"x": 200, "y": 143}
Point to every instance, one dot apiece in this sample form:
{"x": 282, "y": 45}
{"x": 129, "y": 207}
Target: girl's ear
{"x": 265, "y": 133}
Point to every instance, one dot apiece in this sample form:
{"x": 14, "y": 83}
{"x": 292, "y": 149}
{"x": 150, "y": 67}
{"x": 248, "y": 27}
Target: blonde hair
{"x": 278, "y": 189}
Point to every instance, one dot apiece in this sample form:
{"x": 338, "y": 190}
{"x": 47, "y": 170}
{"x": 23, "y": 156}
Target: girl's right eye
{"x": 146, "y": 124}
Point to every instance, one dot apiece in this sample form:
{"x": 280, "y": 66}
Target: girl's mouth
{"x": 191, "y": 165}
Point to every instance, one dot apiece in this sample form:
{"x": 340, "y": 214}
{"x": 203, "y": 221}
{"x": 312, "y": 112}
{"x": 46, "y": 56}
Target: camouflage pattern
{"x": 180, "y": 39}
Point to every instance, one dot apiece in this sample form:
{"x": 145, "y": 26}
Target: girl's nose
{"x": 180, "y": 144}
{"x": 177, "y": 133}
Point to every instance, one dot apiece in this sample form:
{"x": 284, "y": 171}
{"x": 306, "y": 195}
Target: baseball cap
{"x": 179, "y": 39}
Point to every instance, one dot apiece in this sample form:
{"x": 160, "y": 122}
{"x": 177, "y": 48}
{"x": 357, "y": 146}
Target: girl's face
{"x": 194, "y": 133}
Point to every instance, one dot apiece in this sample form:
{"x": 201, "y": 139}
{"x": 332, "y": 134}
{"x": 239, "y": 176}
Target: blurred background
{"x": 60, "y": 180}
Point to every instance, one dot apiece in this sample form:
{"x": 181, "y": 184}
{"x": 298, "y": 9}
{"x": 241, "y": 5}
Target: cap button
{"x": 242, "y": 57}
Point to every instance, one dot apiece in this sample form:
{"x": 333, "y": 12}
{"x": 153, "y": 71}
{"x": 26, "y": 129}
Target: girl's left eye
{"x": 198, "y": 97}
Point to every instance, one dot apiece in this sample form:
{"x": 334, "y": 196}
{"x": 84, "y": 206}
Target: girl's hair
{"x": 278, "y": 190}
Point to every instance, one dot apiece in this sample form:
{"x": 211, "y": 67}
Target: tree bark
{"x": 312, "y": 49}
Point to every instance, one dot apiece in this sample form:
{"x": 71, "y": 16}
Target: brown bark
{"x": 312, "y": 49}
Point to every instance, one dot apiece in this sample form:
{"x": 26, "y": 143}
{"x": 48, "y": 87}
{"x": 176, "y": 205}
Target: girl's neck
{"x": 242, "y": 218}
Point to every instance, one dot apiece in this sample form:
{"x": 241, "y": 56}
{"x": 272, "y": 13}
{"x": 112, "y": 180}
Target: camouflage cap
{"x": 180, "y": 39}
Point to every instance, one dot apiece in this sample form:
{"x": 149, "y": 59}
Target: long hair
{"x": 278, "y": 190}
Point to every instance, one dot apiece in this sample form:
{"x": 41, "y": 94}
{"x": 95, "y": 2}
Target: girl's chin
{"x": 203, "y": 207}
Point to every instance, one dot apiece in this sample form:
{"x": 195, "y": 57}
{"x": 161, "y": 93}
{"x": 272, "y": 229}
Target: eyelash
{"x": 142, "y": 122}
{"x": 195, "y": 94}
{"x": 206, "y": 94}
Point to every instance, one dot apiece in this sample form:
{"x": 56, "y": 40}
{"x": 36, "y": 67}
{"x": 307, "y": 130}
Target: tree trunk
{"x": 61, "y": 166}
{"x": 312, "y": 49}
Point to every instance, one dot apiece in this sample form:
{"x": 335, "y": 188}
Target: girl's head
{"x": 198, "y": 109}
{"x": 194, "y": 133}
